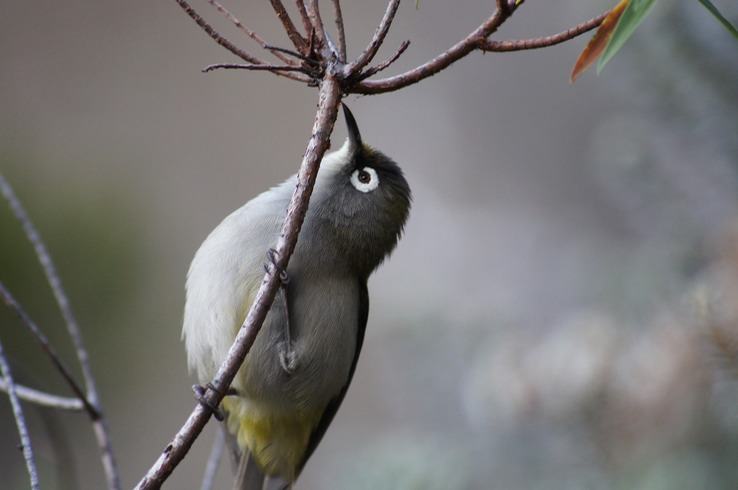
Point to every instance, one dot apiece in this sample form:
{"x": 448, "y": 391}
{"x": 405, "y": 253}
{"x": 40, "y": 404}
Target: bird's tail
{"x": 250, "y": 477}
{"x": 248, "y": 474}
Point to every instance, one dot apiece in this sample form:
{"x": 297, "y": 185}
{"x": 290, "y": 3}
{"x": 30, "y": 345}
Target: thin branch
{"x": 20, "y": 420}
{"x": 55, "y": 282}
{"x": 542, "y": 42}
{"x": 440, "y": 62}
{"x": 211, "y": 469}
{"x": 313, "y": 12}
{"x": 377, "y": 39}
{"x": 238, "y": 66}
{"x": 341, "y": 32}
{"x": 310, "y": 61}
{"x": 48, "y": 349}
{"x": 92, "y": 399}
{"x": 330, "y": 96}
{"x": 244, "y": 55}
{"x": 376, "y": 69}
{"x": 44, "y": 399}
{"x": 306, "y": 24}
{"x": 246, "y": 30}
{"x": 297, "y": 40}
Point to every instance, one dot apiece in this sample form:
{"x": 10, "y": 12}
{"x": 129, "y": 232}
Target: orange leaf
{"x": 599, "y": 41}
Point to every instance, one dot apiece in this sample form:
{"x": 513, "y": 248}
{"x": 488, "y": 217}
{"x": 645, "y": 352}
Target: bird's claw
{"x": 200, "y": 396}
{"x": 288, "y": 359}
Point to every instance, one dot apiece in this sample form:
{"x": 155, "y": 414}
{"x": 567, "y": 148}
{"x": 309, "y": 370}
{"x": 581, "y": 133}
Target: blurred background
{"x": 561, "y": 313}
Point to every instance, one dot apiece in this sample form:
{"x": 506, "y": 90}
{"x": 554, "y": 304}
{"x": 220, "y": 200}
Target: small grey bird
{"x": 296, "y": 375}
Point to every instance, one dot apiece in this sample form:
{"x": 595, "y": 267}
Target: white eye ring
{"x": 360, "y": 182}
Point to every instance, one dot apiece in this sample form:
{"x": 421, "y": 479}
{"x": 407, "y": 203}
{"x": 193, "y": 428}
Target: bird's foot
{"x": 200, "y": 391}
{"x": 284, "y": 276}
{"x": 288, "y": 358}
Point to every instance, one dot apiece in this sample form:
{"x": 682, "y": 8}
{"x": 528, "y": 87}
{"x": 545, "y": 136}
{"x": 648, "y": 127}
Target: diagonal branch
{"x": 246, "y": 30}
{"x": 377, "y": 39}
{"x": 244, "y": 55}
{"x": 440, "y": 62}
{"x": 313, "y": 12}
{"x": 330, "y": 96}
{"x": 48, "y": 349}
{"x": 306, "y": 24}
{"x": 381, "y": 66}
{"x": 297, "y": 40}
{"x": 542, "y": 42}
{"x": 20, "y": 421}
{"x": 341, "y": 32}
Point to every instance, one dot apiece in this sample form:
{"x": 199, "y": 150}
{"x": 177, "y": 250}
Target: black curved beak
{"x": 353, "y": 131}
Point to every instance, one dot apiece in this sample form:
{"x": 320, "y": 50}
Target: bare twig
{"x": 440, "y": 62}
{"x": 238, "y": 66}
{"x": 244, "y": 55}
{"x": 341, "y": 32}
{"x": 211, "y": 469}
{"x": 330, "y": 95}
{"x": 310, "y": 61}
{"x": 20, "y": 420}
{"x": 542, "y": 42}
{"x": 380, "y": 33}
{"x": 377, "y": 68}
{"x": 48, "y": 349}
{"x": 44, "y": 399}
{"x": 91, "y": 400}
{"x": 246, "y": 30}
{"x": 297, "y": 40}
{"x": 304, "y": 16}
{"x": 313, "y": 12}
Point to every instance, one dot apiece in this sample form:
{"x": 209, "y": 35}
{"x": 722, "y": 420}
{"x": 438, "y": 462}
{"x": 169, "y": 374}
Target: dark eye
{"x": 365, "y": 179}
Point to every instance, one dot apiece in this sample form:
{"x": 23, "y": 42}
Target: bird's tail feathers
{"x": 248, "y": 474}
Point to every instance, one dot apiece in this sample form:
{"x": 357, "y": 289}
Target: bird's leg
{"x": 287, "y": 354}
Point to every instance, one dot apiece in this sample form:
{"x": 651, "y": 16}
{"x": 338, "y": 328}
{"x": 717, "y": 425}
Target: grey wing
{"x": 335, "y": 403}
{"x": 223, "y": 278}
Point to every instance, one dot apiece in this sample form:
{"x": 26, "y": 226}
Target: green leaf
{"x": 633, "y": 15}
{"x": 725, "y": 22}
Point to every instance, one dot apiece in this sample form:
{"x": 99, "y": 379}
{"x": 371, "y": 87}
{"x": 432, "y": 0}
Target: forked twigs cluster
{"x": 315, "y": 51}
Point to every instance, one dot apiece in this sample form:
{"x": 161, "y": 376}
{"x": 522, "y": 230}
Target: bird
{"x": 292, "y": 382}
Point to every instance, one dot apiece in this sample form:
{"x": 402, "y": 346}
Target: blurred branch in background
{"x": 90, "y": 401}
{"x": 20, "y": 420}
